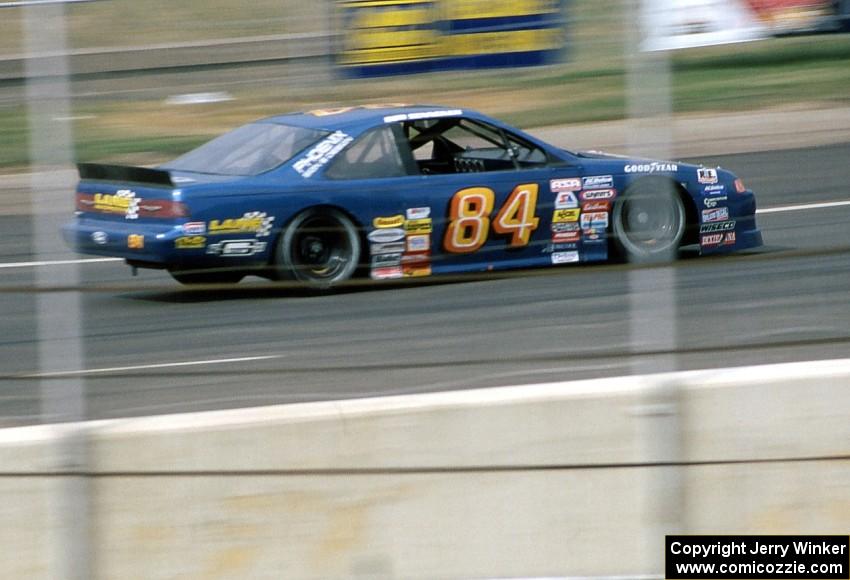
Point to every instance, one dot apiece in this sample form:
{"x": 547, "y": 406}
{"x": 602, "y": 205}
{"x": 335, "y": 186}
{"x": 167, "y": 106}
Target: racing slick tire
{"x": 649, "y": 221}
{"x": 320, "y": 248}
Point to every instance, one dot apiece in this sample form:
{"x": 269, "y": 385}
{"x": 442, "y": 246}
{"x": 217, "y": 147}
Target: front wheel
{"x": 320, "y": 247}
{"x": 649, "y": 222}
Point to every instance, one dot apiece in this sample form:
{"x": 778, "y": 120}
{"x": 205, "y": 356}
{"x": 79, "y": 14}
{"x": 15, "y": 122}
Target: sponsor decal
{"x": 416, "y": 258}
{"x": 720, "y": 188}
{"x": 706, "y": 175}
{"x": 654, "y": 167}
{"x": 566, "y": 184}
{"x": 560, "y": 228}
{"x": 418, "y": 243}
{"x": 598, "y": 194}
{"x": 727, "y": 239}
{"x": 562, "y": 247}
{"x": 395, "y": 221}
{"x": 99, "y": 238}
{"x": 416, "y": 270}
{"x": 194, "y": 228}
{"x": 566, "y": 200}
{"x": 237, "y": 248}
{"x": 421, "y": 226}
{"x": 713, "y": 201}
{"x": 387, "y": 248}
{"x": 564, "y": 257}
{"x": 386, "y": 236}
{"x": 136, "y": 242}
{"x": 597, "y": 182}
{"x": 190, "y": 242}
{"x": 252, "y": 222}
{"x": 717, "y": 227}
{"x": 592, "y": 237}
{"x": 597, "y": 219}
{"x": 418, "y": 213}
{"x": 601, "y": 205}
{"x": 422, "y": 115}
{"x": 318, "y": 156}
{"x": 385, "y": 260}
{"x": 720, "y": 214}
{"x": 565, "y": 215}
{"x": 566, "y": 237}
{"x": 123, "y": 201}
{"x": 387, "y": 273}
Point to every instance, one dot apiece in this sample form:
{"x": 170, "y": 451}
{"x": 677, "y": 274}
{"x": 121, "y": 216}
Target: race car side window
{"x": 461, "y": 145}
{"x": 374, "y": 154}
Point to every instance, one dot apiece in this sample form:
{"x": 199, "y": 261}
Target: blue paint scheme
{"x": 283, "y": 192}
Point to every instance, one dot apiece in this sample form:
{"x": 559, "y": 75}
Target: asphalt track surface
{"x": 152, "y": 347}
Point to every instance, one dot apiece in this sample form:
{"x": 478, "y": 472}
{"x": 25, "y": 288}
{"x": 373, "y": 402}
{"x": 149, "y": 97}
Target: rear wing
{"x": 125, "y": 173}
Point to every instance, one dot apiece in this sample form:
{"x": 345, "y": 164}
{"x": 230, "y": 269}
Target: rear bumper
{"x": 132, "y": 241}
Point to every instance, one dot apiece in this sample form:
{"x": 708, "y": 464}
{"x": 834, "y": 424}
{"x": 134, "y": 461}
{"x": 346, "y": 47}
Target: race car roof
{"x": 361, "y": 117}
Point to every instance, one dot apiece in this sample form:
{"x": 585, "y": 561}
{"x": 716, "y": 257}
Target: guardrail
{"x": 270, "y": 48}
{"x": 581, "y": 478}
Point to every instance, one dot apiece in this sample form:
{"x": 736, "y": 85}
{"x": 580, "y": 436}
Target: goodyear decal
{"x": 654, "y": 167}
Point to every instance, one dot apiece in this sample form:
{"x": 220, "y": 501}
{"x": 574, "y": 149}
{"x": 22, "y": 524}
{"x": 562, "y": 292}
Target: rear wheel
{"x": 649, "y": 221}
{"x": 320, "y": 247}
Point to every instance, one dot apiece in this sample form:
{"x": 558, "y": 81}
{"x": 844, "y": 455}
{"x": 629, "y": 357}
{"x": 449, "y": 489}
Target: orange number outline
{"x": 469, "y": 218}
{"x": 517, "y": 215}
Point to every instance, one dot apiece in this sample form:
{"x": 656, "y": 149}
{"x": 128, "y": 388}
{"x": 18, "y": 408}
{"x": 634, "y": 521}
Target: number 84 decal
{"x": 469, "y": 218}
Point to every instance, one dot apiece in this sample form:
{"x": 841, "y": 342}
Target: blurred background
{"x": 151, "y": 79}
{"x": 761, "y": 87}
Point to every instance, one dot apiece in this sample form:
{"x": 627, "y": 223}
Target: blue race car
{"x": 396, "y": 191}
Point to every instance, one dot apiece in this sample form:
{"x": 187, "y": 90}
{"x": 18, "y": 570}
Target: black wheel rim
{"x": 321, "y": 249}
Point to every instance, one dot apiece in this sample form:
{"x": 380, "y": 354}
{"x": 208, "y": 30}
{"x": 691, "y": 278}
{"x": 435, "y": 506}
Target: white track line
{"x": 154, "y": 366}
{"x": 803, "y": 206}
{"x": 57, "y": 262}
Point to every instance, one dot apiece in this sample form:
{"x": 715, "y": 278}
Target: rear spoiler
{"x": 124, "y": 173}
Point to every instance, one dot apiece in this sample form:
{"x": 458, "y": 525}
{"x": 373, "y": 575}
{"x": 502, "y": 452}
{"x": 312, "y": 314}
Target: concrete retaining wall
{"x": 540, "y": 480}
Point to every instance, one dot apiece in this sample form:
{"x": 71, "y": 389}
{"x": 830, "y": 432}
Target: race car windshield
{"x": 249, "y": 150}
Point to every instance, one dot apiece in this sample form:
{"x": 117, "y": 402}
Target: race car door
{"x": 496, "y": 200}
